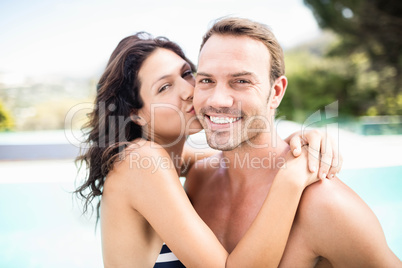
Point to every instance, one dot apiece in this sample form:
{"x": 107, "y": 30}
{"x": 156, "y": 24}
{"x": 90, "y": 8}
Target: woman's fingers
{"x": 326, "y": 157}
{"x": 323, "y": 154}
{"x": 295, "y": 145}
{"x": 313, "y": 139}
{"x": 336, "y": 161}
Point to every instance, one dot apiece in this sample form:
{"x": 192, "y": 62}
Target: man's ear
{"x": 278, "y": 91}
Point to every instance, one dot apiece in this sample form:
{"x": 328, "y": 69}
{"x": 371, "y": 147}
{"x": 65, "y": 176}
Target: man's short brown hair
{"x": 258, "y": 31}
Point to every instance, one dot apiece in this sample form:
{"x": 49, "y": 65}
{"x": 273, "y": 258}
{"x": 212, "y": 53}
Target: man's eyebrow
{"x": 204, "y": 74}
{"x": 245, "y": 73}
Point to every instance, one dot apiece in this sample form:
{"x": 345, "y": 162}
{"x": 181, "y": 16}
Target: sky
{"x": 75, "y": 38}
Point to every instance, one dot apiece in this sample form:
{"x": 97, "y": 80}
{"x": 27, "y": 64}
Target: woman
{"x": 138, "y": 128}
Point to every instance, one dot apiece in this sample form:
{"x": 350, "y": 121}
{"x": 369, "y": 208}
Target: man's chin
{"x": 221, "y": 145}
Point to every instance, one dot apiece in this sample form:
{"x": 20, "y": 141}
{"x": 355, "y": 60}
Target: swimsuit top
{"x": 167, "y": 259}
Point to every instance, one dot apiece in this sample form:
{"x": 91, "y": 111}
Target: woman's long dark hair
{"x": 110, "y": 127}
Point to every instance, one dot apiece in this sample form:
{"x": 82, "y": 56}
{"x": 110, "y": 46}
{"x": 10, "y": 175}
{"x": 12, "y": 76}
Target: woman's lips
{"x": 191, "y": 111}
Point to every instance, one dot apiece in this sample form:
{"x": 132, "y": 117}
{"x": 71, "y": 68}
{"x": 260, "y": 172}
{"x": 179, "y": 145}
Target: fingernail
{"x": 332, "y": 176}
{"x": 295, "y": 151}
{"x": 323, "y": 176}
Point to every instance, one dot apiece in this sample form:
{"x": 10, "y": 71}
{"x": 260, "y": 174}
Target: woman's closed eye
{"x": 164, "y": 87}
{"x": 187, "y": 73}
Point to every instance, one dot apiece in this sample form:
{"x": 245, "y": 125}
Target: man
{"x": 239, "y": 85}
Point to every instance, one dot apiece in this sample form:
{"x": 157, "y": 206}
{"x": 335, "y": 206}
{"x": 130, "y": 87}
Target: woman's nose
{"x": 186, "y": 90}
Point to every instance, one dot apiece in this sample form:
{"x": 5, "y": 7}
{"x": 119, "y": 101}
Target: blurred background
{"x": 343, "y": 62}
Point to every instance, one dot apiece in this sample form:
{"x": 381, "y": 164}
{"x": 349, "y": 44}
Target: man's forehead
{"x": 238, "y": 53}
{"x": 230, "y": 44}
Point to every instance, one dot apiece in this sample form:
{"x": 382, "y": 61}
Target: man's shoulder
{"x": 334, "y": 219}
{"x": 327, "y": 199}
{"x": 329, "y": 206}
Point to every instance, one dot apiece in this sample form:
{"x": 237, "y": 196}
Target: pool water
{"x": 381, "y": 189}
{"x": 40, "y": 227}
{"x": 41, "y": 224}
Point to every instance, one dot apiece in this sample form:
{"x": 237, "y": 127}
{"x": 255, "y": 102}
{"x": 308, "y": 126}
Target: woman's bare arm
{"x": 158, "y": 195}
{"x": 323, "y": 155}
{"x": 265, "y": 241}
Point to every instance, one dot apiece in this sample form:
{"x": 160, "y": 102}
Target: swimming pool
{"x": 41, "y": 225}
{"x": 381, "y": 189}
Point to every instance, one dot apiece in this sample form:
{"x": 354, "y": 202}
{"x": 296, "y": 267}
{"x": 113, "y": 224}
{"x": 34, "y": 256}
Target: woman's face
{"x": 167, "y": 86}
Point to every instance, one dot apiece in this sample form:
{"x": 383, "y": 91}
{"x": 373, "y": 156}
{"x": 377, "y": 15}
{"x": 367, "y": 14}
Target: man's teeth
{"x": 223, "y": 120}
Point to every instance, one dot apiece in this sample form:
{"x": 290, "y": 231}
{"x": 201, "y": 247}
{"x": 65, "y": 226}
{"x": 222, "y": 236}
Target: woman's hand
{"x": 296, "y": 169}
{"x": 322, "y": 152}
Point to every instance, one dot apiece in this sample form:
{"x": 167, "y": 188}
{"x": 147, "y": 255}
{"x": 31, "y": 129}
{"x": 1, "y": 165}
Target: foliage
{"x": 315, "y": 82}
{"x": 370, "y": 32}
{"x": 6, "y": 120}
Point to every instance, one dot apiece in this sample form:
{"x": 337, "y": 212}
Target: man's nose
{"x": 221, "y": 97}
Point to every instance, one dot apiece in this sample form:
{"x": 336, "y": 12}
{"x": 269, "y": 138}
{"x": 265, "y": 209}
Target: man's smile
{"x": 223, "y": 120}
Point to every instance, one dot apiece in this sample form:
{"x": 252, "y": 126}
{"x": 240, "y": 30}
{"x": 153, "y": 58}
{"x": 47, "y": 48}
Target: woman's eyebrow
{"x": 185, "y": 65}
{"x": 167, "y": 75}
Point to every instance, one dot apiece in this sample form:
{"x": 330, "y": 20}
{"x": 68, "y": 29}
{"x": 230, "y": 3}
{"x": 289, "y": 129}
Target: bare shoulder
{"x": 144, "y": 148}
{"x": 138, "y": 161}
{"x": 340, "y": 226}
{"x": 141, "y": 156}
{"x": 201, "y": 173}
{"x": 328, "y": 194}
{"x": 330, "y": 202}
{"x": 125, "y": 230}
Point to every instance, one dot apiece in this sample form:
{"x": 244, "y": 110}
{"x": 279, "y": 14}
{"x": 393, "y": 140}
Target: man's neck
{"x": 261, "y": 157}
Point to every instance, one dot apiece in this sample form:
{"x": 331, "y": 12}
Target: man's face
{"x": 232, "y": 90}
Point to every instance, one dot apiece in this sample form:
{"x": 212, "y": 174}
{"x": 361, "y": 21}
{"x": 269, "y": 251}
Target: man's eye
{"x": 205, "y": 81}
{"x": 243, "y": 81}
{"x": 164, "y": 87}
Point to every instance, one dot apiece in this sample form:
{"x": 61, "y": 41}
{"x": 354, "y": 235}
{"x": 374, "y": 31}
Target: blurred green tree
{"x": 370, "y": 31}
{"x": 315, "y": 82}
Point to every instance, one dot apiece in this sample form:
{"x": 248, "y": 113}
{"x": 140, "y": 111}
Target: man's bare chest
{"x": 229, "y": 218}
